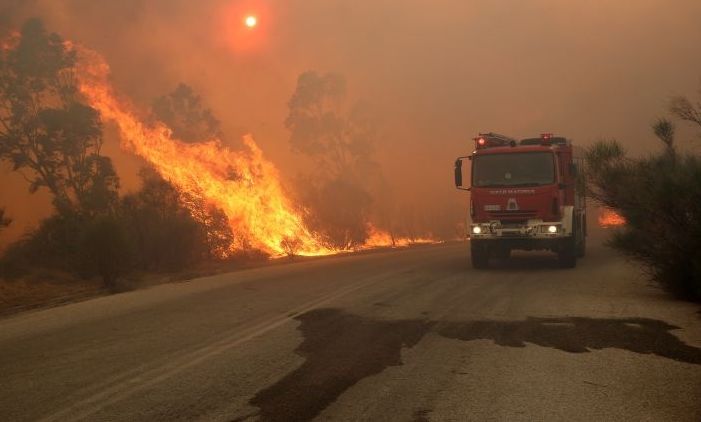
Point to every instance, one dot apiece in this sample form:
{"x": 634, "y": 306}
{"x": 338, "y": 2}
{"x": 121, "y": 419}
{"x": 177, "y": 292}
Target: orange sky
{"x": 436, "y": 72}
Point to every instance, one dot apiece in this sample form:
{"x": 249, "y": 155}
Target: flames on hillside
{"x": 244, "y": 185}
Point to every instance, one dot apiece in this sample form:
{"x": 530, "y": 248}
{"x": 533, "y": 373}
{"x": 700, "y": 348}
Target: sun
{"x": 251, "y": 21}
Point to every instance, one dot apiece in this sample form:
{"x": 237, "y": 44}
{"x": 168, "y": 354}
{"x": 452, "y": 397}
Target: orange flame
{"x": 244, "y": 185}
{"x": 609, "y": 218}
{"x": 379, "y": 238}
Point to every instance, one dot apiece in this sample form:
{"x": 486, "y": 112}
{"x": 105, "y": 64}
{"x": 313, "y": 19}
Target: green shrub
{"x": 660, "y": 199}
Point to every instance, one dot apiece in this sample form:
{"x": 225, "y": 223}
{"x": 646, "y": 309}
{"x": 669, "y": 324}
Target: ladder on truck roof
{"x": 497, "y": 137}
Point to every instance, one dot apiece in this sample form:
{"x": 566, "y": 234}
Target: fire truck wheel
{"x": 567, "y": 255}
{"x": 479, "y": 254}
{"x": 582, "y": 247}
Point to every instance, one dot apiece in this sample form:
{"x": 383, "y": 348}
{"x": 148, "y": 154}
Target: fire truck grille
{"x": 513, "y": 215}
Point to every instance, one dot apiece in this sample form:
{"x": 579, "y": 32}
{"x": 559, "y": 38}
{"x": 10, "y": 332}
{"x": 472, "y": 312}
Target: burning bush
{"x": 659, "y": 198}
{"x": 244, "y": 185}
{"x": 56, "y": 139}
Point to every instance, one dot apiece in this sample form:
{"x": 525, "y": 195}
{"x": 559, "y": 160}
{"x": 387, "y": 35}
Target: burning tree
{"x": 659, "y": 198}
{"x": 339, "y": 140}
{"x": 191, "y": 121}
{"x": 46, "y": 132}
{"x": 244, "y": 185}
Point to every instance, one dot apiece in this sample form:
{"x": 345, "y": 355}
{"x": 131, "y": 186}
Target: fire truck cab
{"x": 524, "y": 195}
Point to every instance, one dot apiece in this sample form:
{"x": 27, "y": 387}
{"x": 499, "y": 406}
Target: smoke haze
{"x": 435, "y": 72}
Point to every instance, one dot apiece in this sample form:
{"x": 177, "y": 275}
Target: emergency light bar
{"x": 489, "y": 140}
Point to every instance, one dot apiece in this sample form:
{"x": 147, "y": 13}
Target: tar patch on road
{"x": 342, "y": 349}
{"x": 579, "y": 335}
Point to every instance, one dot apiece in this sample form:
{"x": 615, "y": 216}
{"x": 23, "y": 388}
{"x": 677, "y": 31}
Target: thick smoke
{"x": 435, "y": 71}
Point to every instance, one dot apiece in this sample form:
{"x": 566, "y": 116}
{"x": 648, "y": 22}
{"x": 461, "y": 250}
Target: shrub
{"x": 104, "y": 249}
{"x": 83, "y": 246}
{"x": 660, "y": 199}
{"x": 163, "y": 234}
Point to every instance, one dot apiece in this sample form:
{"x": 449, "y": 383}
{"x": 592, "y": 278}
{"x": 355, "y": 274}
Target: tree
{"x": 685, "y": 110}
{"x": 186, "y": 115}
{"x": 664, "y": 130}
{"x": 341, "y": 210}
{"x": 46, "y": 133}
{"x": 191, "y": 121}
{"x": 105, "y": 249}
{"x": 164, "y": 234}
{"x": 338, "y": 138}
{"x": 660, "y": 199}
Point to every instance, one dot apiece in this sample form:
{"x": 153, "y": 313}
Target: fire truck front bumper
{"x": 533, "y": 229}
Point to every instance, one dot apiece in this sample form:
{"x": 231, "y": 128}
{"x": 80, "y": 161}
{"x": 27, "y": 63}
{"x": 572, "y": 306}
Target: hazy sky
{"x": 436, "y": 71}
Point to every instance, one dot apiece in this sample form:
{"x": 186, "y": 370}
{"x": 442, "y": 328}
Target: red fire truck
{"x": 524, "y": 195}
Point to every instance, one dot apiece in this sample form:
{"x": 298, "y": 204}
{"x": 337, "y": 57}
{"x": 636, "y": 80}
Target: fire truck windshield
{"x": 513, "y": 169}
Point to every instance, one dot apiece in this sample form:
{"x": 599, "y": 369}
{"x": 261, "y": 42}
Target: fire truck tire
{"x": 582, "y": 247}
{"x": 480, "y": 255}
{"x": 567, "y": 255}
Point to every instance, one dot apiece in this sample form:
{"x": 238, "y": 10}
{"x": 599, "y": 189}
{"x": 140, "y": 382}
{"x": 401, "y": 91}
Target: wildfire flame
{"x": 243, "y": 184}
{"x": 379, "y": 238}
{"x": 609, "y": 218}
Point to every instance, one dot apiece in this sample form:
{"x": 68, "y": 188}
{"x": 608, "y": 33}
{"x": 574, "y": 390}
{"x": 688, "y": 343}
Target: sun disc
{"x": 251, "y": 21}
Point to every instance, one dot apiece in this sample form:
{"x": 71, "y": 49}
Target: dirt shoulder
{"x": 46, "y": 289}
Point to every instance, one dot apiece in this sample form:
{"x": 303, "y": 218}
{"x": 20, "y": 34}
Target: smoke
{"x": 436, "y": 71}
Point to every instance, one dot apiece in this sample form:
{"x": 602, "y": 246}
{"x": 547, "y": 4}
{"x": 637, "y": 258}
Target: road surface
{"x": 407, "y": 335}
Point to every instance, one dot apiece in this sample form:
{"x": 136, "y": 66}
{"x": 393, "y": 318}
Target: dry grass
{"x": 48, "y": 288}
{"x": 44, "y": 289}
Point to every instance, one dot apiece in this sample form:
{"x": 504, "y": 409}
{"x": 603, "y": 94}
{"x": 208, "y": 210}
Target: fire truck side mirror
{"x": 458, "y": 173}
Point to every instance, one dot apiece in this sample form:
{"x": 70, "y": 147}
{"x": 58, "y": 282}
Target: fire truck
{"x": 525, "y": 195}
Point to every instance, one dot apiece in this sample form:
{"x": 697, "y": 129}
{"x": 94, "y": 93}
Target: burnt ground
{"x": 341, "y": 349}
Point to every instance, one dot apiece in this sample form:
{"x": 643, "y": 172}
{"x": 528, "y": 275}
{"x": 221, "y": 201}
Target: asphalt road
{"x": 407, "y": 335}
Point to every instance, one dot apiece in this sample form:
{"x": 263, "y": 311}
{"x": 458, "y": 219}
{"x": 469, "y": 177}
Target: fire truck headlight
{"x": 552, "y": 229}
{"x": 477, "y": 230}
